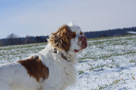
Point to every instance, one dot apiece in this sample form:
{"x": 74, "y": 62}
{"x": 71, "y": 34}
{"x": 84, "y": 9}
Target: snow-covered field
{"x": 107, "y": 63}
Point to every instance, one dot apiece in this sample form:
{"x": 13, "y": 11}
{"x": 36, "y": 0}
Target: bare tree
{"x": 12, "y": 35}
{"x": 27, "y": 40}
{"x": 13, "y": 39}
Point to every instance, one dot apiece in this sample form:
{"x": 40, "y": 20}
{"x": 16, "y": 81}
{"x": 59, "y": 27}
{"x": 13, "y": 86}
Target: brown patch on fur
{"x": 81, "y": 33}
{"x": 61, "y": 39}
{"x": 35, "y": 68}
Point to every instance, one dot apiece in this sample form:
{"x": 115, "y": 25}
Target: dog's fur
{"x": 52, "y": 68}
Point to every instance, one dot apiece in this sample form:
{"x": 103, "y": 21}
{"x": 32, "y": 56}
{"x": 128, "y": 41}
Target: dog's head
{"x": 68, "y": 38}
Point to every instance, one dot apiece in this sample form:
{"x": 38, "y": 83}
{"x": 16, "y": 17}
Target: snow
{"x": 131, "y": 32}
{"x": 107, "y": 63}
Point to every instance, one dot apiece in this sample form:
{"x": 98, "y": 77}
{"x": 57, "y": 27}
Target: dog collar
{"x": 61, "y": 54}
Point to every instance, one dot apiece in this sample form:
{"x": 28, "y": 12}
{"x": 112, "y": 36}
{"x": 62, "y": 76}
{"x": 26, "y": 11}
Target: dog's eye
{"x": 73, "y": 34}
{"x": 81, "y": 33}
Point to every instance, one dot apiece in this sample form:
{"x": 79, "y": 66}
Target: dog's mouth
{"x": 83, "y": 45}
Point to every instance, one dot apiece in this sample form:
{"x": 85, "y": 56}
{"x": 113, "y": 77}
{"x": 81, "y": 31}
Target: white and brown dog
{"x": 51, "y": 69}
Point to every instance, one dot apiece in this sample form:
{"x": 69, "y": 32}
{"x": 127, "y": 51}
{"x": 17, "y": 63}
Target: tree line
{"x": 14, "y": 39}
{"x": 110, "y": 32}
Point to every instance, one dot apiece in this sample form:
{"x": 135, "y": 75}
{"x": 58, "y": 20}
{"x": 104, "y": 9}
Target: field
{"x": 107, "y": 63}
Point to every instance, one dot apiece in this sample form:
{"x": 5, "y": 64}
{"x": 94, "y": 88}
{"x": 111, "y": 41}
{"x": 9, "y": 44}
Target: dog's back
{"x": 13, "y": 76}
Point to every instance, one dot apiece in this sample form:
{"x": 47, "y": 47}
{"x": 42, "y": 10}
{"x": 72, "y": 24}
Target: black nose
{"x": 83, "y": 38}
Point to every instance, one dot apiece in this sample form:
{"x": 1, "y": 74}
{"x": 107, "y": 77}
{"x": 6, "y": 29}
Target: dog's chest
{"x": 61, "y": 76}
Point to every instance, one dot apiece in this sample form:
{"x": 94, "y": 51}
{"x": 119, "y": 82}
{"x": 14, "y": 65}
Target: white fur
{"x": 62, "y": 73}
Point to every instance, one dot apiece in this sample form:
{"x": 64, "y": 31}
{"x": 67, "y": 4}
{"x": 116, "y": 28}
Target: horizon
{"x": 40, "y": 18}
{"x": 131, "y": 32}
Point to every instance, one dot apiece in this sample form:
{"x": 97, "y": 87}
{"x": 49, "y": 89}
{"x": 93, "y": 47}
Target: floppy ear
{"x": 61, "y": 39}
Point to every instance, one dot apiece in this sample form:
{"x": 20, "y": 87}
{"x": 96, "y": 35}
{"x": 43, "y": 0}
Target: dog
{"x": 53, "y": 68}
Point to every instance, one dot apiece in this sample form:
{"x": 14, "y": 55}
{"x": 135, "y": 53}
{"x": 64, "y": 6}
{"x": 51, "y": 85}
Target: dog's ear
{"x": 62, "y": 38}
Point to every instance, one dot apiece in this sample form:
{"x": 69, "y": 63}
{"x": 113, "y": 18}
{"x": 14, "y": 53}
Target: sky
{"x": 43, "y": 17}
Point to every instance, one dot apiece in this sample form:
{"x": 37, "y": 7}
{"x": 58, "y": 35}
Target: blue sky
{"x": 42, "y": 17}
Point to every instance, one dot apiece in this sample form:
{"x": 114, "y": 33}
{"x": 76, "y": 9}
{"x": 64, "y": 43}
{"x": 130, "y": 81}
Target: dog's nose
{"x": 83, "y": 38}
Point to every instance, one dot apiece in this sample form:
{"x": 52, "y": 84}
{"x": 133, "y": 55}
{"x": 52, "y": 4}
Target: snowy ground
{"x": 107, "y": 63}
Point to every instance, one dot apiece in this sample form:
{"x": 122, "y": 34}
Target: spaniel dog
{"x": 52, "y": 68}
